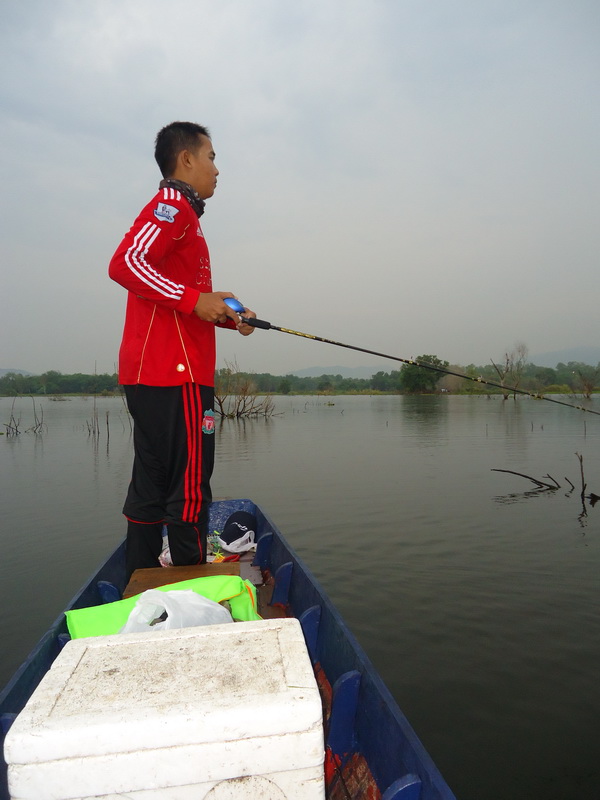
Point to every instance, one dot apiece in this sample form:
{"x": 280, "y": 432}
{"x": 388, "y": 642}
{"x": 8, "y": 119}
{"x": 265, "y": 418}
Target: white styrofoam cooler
{"x": 221, "y": 712}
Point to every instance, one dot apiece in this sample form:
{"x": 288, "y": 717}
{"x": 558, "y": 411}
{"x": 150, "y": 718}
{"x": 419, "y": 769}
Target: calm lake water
{"x": 476, "y": 597}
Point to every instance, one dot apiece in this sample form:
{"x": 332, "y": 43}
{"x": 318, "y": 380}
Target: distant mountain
{"x": 16, "y": 371}
{"x": 345, "y": 372}
{"x": 585, "y": 355}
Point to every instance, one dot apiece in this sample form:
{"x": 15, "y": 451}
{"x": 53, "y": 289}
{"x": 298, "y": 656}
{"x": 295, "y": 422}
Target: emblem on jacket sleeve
{"x": 165, "y": 212}
{"x": 208, "y": 422}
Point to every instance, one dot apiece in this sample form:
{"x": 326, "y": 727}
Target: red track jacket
{"x": 164, "y": 263}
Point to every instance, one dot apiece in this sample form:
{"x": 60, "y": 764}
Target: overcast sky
{"x": 409, "y": 177}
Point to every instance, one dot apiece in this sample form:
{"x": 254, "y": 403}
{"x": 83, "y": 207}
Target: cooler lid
{"x": 215, "y": 683}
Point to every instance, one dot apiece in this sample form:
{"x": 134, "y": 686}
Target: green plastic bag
{"x": 109, "y": 618}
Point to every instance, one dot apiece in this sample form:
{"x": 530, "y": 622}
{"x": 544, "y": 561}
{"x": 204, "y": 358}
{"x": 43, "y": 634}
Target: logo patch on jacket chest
{"x": 165, "y": 212}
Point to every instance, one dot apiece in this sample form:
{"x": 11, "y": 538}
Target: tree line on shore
{"x": 573, "y": 377}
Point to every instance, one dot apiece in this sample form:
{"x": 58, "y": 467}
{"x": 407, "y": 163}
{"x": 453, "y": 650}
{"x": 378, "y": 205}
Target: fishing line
{"x": 261, "y": 323}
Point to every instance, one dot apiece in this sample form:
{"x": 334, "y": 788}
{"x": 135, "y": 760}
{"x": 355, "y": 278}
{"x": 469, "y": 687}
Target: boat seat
{"x": 143, "y": 579}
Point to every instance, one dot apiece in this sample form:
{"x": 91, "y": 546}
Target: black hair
{"x": 174, "y": 138}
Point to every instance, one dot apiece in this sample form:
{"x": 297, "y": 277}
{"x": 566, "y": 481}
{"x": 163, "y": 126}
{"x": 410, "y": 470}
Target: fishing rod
{"x": 236, "y": 306}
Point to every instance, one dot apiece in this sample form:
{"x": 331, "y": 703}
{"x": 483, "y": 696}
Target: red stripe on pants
{"x": 192, "y": 407}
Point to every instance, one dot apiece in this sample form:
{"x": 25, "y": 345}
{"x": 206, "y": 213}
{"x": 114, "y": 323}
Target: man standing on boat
{"x": 167, "y": 355}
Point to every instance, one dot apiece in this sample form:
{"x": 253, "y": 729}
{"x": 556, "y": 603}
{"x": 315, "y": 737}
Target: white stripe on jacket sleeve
{"x": 135, "y": 258}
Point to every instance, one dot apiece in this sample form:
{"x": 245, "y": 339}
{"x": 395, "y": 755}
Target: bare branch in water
{"x": 236, "y": 395}
{"x": 593, "y": 498}
{"x": 583, "y": 483}
{"x": 538, "y": 482}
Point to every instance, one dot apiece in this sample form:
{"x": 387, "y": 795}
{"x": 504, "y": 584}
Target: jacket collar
{"x": 190, "y": 194}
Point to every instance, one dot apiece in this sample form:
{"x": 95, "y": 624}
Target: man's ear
{"x": 184, "y": 160}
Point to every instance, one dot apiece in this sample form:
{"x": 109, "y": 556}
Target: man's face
{"x": 202, "y": 169}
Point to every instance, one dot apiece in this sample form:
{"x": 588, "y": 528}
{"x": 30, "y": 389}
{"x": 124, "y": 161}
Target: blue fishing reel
{"x": 234, "y": 305}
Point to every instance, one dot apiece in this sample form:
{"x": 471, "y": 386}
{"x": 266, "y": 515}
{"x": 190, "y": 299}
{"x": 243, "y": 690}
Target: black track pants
{"x": 173, "y": 463}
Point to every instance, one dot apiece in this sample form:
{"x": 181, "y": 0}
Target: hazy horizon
{"x": 366, "y": 371}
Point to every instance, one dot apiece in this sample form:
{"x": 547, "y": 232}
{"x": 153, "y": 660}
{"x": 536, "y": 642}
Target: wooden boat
{"x": 372, "y": 752}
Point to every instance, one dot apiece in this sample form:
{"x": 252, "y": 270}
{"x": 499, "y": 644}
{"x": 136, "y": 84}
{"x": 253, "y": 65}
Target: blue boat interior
{"x": 362, "y": 719}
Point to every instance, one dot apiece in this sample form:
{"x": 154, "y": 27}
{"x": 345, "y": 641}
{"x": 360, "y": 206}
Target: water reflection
{"x": 236, "y": 438}
{"x": 426, "y": 410}
{"x": 536, "y": 494}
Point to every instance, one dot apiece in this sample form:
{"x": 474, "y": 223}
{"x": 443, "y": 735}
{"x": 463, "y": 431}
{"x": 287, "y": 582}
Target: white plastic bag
{"x": 241, "y": 545}
{"x": 164, "y": 558}
{"x": 160, "y": 611}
